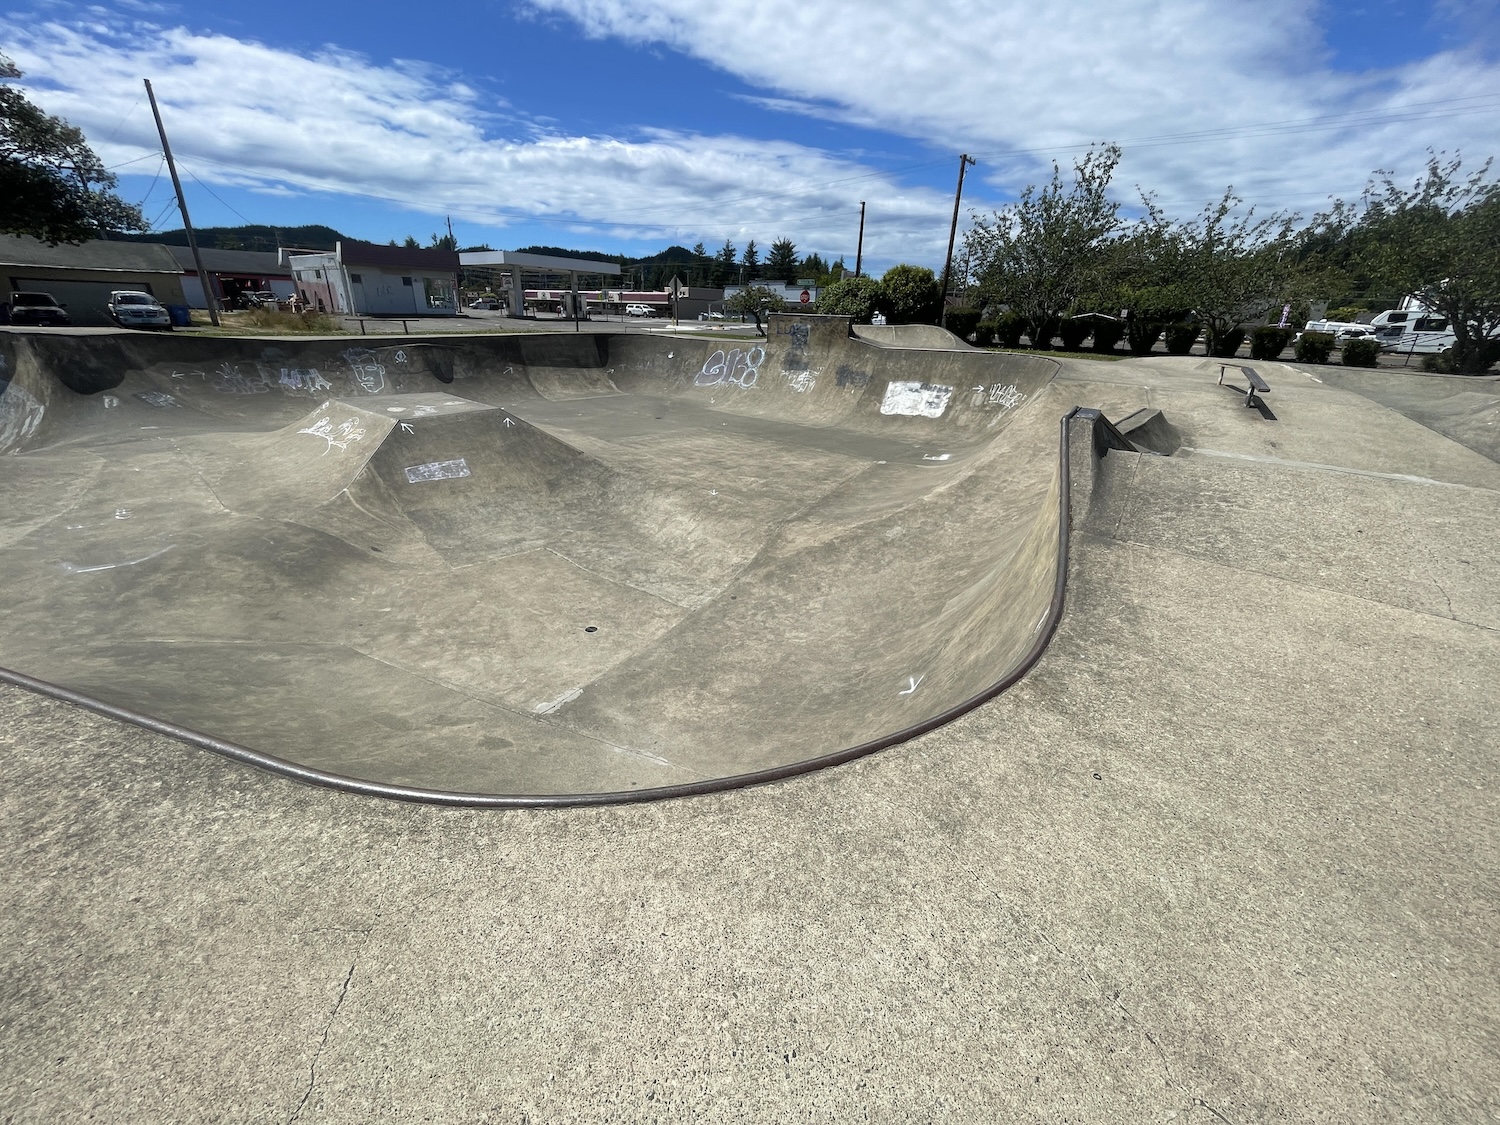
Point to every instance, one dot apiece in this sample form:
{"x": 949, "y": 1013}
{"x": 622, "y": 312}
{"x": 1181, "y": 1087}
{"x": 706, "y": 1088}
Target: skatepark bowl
{"x": 530, "y": 569}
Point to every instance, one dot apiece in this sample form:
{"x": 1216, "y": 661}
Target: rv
{"x": 1412, "y": 328}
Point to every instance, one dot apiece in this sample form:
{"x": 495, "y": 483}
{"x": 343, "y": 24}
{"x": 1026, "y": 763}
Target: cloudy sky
{"x": 627, "y": 125}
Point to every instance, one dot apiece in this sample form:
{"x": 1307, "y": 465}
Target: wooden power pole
{"x": 859, "y": 252}
{"x": 963, "y": 162}
{"x": 187, "y": 223}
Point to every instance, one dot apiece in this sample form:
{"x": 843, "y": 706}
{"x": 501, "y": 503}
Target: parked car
{"x": 491, "y": 304}
{"x": 131, "y": 309}
{"x": 262, "y": 299}
{"x": 639, "y": 310}
{"x": 37, "y": 308}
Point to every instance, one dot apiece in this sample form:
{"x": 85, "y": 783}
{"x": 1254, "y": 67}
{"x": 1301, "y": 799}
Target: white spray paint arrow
{"x": 407, "y": 427}
{"x": 914, "y": 681}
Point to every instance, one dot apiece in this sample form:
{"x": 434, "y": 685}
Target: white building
{"x": 366, "y": 279}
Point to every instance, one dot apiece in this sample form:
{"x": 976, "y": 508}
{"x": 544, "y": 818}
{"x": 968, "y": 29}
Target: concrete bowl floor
{"x": 1227, "y": 853}
{"x": 527, "y": 565}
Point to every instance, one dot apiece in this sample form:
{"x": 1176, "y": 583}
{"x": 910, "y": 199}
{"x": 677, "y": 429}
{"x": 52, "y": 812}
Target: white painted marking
{"x": 1322, "y": 468}
{"x": 936, "y": 456}
{"x": 509, "y": 423}
{"x": 557, "y": 704}
{"x": 408, "y": 428}
{"x": 916, "y": 400}
{"x": 71, "y": 569}
{"x": 122, "y": 513}
{"x": 438, "y": 470}
{"x": 915, "y": 682}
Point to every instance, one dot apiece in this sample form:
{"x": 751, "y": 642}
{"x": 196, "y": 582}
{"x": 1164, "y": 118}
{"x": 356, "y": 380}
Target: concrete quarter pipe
{"x": 526, "y": 569}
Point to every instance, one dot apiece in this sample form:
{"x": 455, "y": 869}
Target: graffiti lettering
{"x": 798, "y": 333}
{"x": 1004, "y": 395}
{"x": 737, "y": 368}
{"x": 158, "y": 399}
{"x": 801, "y": 381}
{"x": 227, "y": 380}
{"x": 848, "y": 377}
{"x": 310, "y": 380}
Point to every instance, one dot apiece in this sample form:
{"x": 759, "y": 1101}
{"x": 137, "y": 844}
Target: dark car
{"x": 36, "y": 308}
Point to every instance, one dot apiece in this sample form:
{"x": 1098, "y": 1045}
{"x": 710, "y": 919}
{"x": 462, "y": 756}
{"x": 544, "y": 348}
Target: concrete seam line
{"x": 308, "y": 775}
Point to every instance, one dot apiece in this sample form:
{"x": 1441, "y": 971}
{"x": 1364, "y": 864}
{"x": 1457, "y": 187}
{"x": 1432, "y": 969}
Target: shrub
{"x": 1362, "y": 351}
{"x": 1041, "y": 333}
{"x": 1009, "y": 329}
{"x": 1074, "y": 330}
{"x": 1224, "y": 344}
{"x": 1440, "y": 363}
{"x": 1267, "y": 342}
{"x": 1314, "y": 347}
{"x": 1107, "y": 334}
{"x": 912, "y": 295}
{"x": 278, "y": 320}
{"x": 1181, "y": 338}
{"x": 963, "y": 322}
{"x": 1346, "y": 313}
{"x": 857, "y": 297}
{"x": 984, "y": 333}
{"x": 1141, "y": 335}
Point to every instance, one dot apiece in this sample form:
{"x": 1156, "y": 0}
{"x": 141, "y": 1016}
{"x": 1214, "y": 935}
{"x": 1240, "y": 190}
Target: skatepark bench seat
{"x": 1258, "y": 386}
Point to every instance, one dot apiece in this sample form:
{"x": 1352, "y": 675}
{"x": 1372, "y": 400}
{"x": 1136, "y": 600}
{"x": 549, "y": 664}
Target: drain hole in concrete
{"x": 591, "y": 628}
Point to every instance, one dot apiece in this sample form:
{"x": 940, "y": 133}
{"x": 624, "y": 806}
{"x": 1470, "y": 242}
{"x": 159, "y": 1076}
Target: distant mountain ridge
{"x": 252, "y": 236}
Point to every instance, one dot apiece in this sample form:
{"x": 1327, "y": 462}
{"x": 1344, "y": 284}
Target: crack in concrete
{"x": 312, "y": 1069}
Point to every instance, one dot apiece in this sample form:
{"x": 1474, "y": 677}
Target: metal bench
{"x": 1258, "y": 386}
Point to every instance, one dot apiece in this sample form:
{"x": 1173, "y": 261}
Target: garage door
{"x": 85, "y": 299}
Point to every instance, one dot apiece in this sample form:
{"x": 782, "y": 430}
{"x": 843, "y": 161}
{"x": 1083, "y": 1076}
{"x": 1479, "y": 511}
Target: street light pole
{"x": 963, "y": 162}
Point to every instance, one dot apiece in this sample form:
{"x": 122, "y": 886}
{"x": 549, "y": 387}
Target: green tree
{"x": 755, "y": 301}
{"x": 443, "y": 242}
{"x": 699, "y": 274}
{"x": 781, "y": 264}
{"x": 813, "y": 266}
{"x": 1439, "y": 241}
{"x": 1053, "y": 246}
{"x": 751, "y": 261}
{"x": 723, "y": 270}
{"x": 411, "y": 243}
{"x": 857, "y": 297}
{"x": 1235, "y": 267}
{"x": 52, "y": 186}
{"x": 912, "y": 295}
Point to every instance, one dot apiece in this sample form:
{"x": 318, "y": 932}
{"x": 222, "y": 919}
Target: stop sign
{"x": 806, "y": 296}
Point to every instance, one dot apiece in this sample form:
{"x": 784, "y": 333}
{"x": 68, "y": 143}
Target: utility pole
{"x": 187, "y": 224}
{"x": 963, "y": 162}
{"x": 859, "y": 252}
{"x": 451, "y": 239}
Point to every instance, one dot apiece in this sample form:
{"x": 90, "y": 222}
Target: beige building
{"x": 82, "y": 277}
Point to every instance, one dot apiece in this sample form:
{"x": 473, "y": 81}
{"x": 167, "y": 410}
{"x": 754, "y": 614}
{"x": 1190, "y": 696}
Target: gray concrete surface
{"x": 528, "y": 566}
{"x": 1228, "y": 853}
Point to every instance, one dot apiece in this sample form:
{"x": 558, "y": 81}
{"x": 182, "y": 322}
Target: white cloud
{"x": 1021, "y": 82}
{"x": 254, "y": 116}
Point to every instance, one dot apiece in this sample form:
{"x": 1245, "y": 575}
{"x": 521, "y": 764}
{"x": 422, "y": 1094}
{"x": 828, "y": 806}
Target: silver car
{"x": 130, "y": 309}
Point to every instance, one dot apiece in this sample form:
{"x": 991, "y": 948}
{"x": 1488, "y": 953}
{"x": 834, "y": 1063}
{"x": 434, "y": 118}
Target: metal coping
{"x": 288, "y": 769}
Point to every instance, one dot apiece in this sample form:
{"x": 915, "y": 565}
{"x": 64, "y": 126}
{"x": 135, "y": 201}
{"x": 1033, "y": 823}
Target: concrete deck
{"x": 1228, "y": 852}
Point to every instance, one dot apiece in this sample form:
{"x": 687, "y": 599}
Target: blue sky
{"x": 627, "y": 125}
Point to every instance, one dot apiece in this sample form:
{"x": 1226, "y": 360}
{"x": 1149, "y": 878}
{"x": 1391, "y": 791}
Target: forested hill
{"x": 249, "y": 237}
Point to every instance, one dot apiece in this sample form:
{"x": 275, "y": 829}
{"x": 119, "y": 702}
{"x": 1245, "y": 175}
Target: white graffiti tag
{"x": 228, "y": 380}
{"x": 349, "y": 430}
{"x": 1007, "y": 396}
{"x": 740, "y": 369}
{"x": 916, "y": 400}
{"x": 801, "y": 381}
{"x": 298, "y": 380}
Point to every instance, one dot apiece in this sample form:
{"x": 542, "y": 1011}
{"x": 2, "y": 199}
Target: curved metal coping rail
{"x": 289, "y": 769}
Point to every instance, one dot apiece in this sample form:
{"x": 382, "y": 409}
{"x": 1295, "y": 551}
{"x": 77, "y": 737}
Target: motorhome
{"x": 1412, "y": 328}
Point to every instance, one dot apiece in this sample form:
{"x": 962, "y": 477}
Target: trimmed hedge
{"x": 1362, "y": 351}
{"x": 1009, "y": 329}
{"x": 1314, "y": 347}
{"x": 1141, "y": 335}
{"x": 962, "y": 322}
{"x": 1224, "y": 345}
{"x": 1181, "y": 338}
{"x": 984, "y": 334}
{"x": 1107, "y": 334}
{"x": 1268, "y": 342}
{"x": 1074, "y": 331}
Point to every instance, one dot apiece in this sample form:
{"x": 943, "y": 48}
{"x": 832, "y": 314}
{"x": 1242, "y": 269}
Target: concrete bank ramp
{"x": 540, "y": 565}
{"x": 928, "y": 336}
